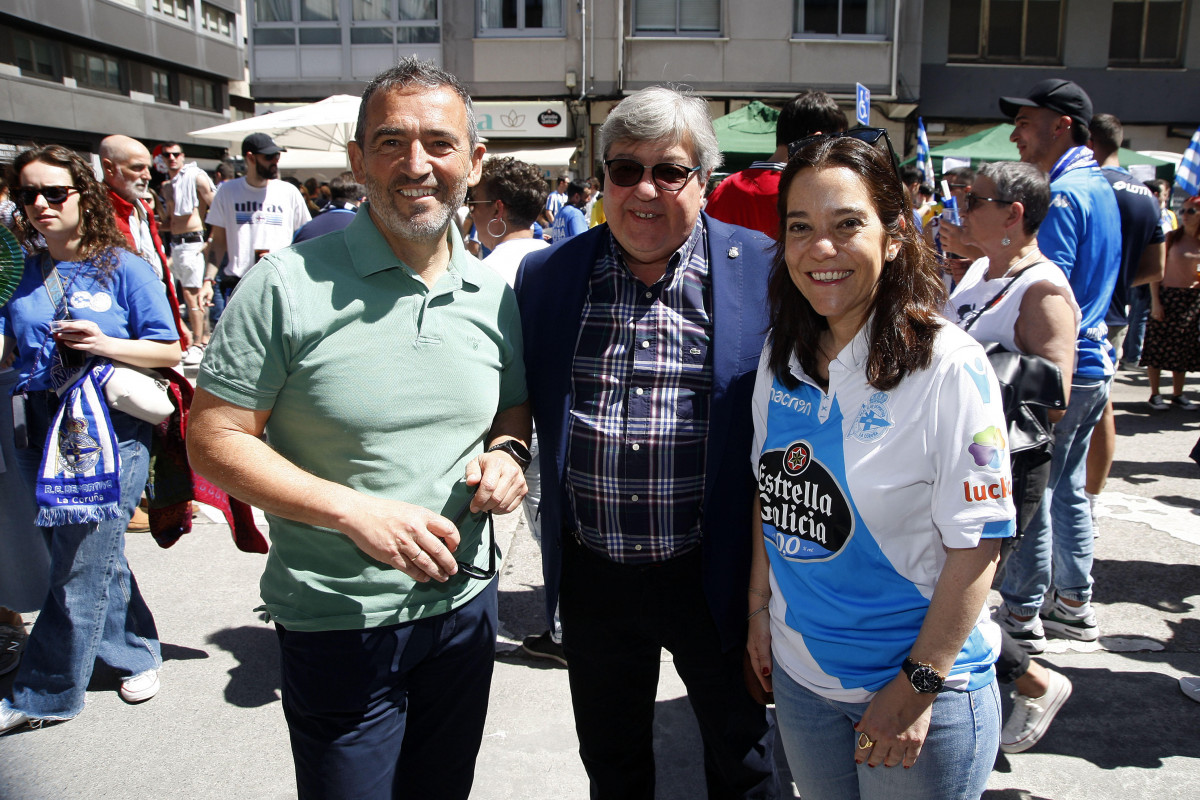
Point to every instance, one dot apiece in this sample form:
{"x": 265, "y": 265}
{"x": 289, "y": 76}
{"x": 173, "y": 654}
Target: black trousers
{"x": 616, "y": 619}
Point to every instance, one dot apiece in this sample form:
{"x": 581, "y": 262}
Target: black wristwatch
{"x": 518, "y": 451}
{"x": 925, "y": 679}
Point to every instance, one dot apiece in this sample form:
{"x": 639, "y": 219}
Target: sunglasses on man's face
{"x": 28, "y": 195}
{"x": 666, "y": 176}
{"x": 169, "y": 154}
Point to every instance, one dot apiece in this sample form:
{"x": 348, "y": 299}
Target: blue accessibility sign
{"x": 862, "y": 104}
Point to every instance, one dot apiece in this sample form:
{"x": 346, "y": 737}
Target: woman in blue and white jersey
{"x": 883, "y": 490}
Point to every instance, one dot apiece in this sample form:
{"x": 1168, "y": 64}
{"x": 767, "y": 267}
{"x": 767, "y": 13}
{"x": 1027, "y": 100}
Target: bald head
{"x": 126, "y": 164}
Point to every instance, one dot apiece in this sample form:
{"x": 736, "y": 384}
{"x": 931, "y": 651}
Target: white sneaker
{"x": 1071, "y": 622}
{"x": 193, "y": 356}
{"x": 1031, "y": 716}
{"x": 10, "y": 719}
{"x": 140, "y": 688}
{"x": 1028, "y": 633}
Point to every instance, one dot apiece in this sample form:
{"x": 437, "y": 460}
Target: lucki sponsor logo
{"x": 805, "y": 514}
{"x": 975, "y": 492}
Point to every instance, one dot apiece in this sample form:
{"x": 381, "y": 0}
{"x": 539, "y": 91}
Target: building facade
{"x": 75, "y": 71}
{"x": 581, "y": 56}
{"x": 1137, "y": 59}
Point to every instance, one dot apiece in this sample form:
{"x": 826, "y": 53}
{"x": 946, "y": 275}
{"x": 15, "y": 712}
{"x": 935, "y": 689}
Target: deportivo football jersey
{"x": 859, "y": 491}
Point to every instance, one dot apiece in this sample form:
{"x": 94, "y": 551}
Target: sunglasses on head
{"x": 668, "y": 177}
{"x": 470, "y": 570}
{"x": 869, "y": 136}
{"x": 28, "y": 195}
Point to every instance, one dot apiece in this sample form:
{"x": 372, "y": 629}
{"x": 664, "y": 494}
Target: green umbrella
{"x": 992, "y": 144}
{"x": 12, "y": 263}
{"x": 746, "y": 135}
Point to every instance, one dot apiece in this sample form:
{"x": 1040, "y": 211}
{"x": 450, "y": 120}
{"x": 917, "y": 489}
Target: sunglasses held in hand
{"x": 470, "y": 570}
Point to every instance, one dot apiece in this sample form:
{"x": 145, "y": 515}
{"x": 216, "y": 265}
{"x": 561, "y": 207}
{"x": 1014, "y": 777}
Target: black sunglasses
{"x": 668, "y": 177}
{"x": 869, "y": 136}
{"x": 973, "y": 198}
{"x": 169, "y": 154}
{"x": 1190, "y": 210}
{"x": 28, "y": 195}
{"x": 470, "y": 570}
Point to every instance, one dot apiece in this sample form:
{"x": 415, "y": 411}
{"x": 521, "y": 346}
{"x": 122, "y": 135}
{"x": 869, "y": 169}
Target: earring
{"x": 503, "y": 228}
{"x": 1005, "y": 242}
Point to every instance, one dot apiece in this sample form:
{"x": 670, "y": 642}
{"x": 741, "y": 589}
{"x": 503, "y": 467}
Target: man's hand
{"x": 499, "y": 481}
{"x": 206, "y": 293}
{"x": 412, "y": 539}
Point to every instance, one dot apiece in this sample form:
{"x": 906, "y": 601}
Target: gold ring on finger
{"x": 864, "y": 742}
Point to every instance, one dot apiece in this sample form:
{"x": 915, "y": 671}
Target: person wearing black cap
{"x": 251, "y": 216}
{"x": 1082, "y": 234}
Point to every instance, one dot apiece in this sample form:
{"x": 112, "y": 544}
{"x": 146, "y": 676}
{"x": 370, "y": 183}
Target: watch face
{"x": 926, "y": 680}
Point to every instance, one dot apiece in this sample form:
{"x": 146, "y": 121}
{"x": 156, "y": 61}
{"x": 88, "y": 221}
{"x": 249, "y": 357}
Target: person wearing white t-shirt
{"x": 252, "y": 215}
{"x": 882, "y": 468}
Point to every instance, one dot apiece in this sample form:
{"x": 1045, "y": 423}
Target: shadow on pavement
{"x": 1010, "y": 794}
{"x": 254, "y": 681}
{"x": 177, "y": 652}
{"x": 1119, "y": 719}
{"x": 1149, "y": 583}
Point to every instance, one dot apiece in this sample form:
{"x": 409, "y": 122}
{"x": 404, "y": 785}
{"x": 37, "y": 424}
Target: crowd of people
{"x": 815, "y": 313}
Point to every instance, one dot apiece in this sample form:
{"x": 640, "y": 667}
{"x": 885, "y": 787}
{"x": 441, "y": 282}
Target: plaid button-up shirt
{"x": 641, "y": 380}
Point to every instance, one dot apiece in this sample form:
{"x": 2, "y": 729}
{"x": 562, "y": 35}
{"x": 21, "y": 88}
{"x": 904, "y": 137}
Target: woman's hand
{"x": 758, "y": 645}
{"x": 81, "y": 334}
{"x": 896, "y": 721}
{"x": 1156, "y": 311}
{"x": 85, "y": 335}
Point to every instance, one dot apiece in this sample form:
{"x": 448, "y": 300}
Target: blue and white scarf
{"x": 80, "y": 477}
{"x": 1076, "y": 158}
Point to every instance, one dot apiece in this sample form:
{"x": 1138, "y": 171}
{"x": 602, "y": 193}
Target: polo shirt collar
{"x": 852, "y": 358}
{"x": 370, "y": 252}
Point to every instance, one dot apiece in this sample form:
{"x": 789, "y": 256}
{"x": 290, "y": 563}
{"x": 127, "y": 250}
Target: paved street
{"x": 216, "y": 729}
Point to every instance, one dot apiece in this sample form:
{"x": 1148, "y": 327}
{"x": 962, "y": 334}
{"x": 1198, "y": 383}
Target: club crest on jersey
{"x": 874, "y": 420}
{"x": 804, "y": 512}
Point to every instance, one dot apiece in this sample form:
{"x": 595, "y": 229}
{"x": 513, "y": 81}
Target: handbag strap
{"x": 1000, "y": 294}
{"x": 52, "y": 281}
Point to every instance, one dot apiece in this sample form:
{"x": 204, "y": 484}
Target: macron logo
{"x": 787, "y": 401}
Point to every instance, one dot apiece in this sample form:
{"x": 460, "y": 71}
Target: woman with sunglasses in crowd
{"x": 1016, "y": 297}
{"x": 883, "y": 479}
{"x": 1171, "y": 333}
{"x": 83, "y": 300}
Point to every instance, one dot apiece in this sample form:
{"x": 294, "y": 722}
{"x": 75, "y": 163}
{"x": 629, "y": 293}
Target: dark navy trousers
{"x": 392, "y": 712}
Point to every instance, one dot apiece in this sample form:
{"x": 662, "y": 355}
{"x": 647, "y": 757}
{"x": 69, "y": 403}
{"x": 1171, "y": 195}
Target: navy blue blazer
{"x": 552, "y": 287}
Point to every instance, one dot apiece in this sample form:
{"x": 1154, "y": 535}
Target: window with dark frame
{"x": 842, "y": 18}
{"x": 160, "y": 85}
{"x": 1006, "y": 31}
{"x": 521, "y": 18}
{"x": 677, "y": 17}
{"x": 97, "y": 71}
{"x": 37, "y": 57}
{"x": 1146, "y": 33}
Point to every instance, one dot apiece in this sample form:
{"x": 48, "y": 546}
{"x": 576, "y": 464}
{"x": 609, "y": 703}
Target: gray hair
{"x": 675, "y": 115}
{"x": 410, "y": 72}
{"x": 1017, "y": 182}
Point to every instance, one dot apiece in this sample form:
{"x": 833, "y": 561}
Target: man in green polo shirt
{"x": 384, "y": 365}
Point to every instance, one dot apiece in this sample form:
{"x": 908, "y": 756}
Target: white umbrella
{"x": 325, "y": 125}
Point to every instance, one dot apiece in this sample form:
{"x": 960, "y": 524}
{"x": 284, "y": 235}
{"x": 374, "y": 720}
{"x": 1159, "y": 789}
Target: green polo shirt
{"x": 376, "y": 382}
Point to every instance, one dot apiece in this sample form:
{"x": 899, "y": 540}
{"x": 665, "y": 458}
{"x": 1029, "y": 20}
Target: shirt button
{"x": 648, "y": 295}
{"x": 639, "y": 391}
{"x": 634, "y": 498}
{"x": 637, "y": 447}
{"x": 637, "y": 547}
{"x": 645, "y": 343}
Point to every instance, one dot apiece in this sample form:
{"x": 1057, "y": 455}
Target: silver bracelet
{"x": 757, "y": 611}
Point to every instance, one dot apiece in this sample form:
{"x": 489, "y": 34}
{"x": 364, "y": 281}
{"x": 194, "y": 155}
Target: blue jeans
{"x": 1139, "y": 312}
{"x": 819, "y": 740}
{"x": 1056, "y": 549}
{"x": 94, "y": 609}
{"x": 391, "y": 712}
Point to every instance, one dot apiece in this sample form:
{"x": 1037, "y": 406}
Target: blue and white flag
{"x": 924, "y": 160}
{"x": 1187, "y": 174}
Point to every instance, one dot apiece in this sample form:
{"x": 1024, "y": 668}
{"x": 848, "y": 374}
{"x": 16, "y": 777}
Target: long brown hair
{"x": 100, "y": 238}
{"x": 905, "y": 314}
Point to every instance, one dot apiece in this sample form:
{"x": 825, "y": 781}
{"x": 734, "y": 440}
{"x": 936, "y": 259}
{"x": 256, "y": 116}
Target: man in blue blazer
{"x": 642, "y": 339}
